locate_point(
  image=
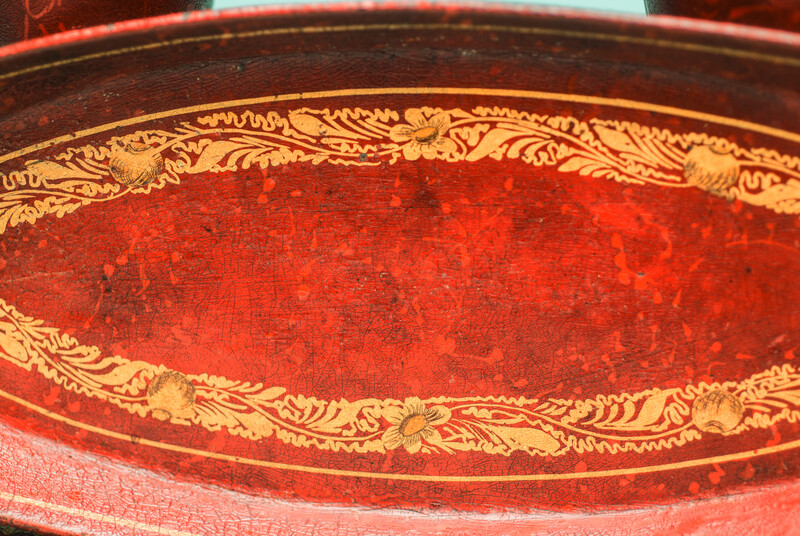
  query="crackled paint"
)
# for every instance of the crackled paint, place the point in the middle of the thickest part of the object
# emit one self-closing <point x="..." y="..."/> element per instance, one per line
<point x="29" y="19"/>
<point x="390" y="276"/>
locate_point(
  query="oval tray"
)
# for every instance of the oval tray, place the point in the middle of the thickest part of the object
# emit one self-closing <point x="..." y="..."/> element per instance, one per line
<point x="464" y="261"/>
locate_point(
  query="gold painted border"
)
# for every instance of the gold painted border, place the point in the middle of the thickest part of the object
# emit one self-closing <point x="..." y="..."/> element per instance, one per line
<point x="649" y="420"/>
<point x="379" y="91"/>
<point x="310" y="30"/>
<point x="747" y="454"/>
<point x="361" y="92"/>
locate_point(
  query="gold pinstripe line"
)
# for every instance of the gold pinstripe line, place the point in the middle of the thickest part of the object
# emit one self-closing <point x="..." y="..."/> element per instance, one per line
<point x="309" y="30"/>
<point x="747" y="454"/>
<point x="92" y="516"/>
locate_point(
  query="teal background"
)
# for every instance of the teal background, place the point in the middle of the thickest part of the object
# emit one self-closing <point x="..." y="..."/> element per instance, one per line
<point x="624" y="6"/>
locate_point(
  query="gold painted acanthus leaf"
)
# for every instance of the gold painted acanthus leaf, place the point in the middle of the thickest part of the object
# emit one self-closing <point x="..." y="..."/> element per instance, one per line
<point x="12" y="348"/>
<point x="530" y="440"/>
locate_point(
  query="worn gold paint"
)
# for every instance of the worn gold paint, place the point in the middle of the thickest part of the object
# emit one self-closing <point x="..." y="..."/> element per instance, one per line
<point x="717" y="411"/>
<point x="710" y="169"/>
<point x="171" y="396"/>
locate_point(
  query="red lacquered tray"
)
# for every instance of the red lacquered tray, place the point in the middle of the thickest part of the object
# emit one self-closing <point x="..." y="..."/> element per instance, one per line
<point x="367" y="271"/>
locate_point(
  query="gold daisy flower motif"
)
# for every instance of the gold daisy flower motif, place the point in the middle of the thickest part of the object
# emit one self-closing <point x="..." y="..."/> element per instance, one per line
<point x="423" y="137"/>
<point x="412" y="423"/>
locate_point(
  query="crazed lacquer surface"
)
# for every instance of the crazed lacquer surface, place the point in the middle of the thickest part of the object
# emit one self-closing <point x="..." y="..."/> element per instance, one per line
<point x="648" y="420"/>
<point x="478" y="296"/>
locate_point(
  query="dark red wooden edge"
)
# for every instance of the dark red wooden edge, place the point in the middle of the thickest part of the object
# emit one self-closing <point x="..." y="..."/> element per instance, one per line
<point x="669" y="23"/>
<point x="19" y="22"/>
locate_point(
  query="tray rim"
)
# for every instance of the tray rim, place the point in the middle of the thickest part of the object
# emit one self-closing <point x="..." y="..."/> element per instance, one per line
<point x="528" y="13"/>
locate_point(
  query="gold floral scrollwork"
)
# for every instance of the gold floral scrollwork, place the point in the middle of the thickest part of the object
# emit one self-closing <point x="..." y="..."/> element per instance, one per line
<point x="146" y="160"/>
<point x="649" y="420"/>
<point x="622" y="151"/>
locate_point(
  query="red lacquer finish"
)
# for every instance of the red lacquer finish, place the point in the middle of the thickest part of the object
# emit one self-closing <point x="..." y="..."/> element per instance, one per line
<point x="482" y="264"/>
<point x="28" y="19"/>
<point x="778" y="14"/>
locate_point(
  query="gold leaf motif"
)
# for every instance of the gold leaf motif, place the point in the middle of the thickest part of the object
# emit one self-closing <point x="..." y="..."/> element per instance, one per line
<point x="308" y="125"/>
<point x="268" y="394"/>
<point x="312" y="126"/>
<point x="781" y="198"/>
<point x="491" y="143"/>
<point x="584" y="166"/>
<point x="650" y="412"/>
<point x="619" y="141"/>
<point x="211" y="155"/>
<point x="13" y="348"/>
<point x="530" y="440"/>
<point x="123" y="373"/>
<point x="253" y="426"/>
<point x="51" y="171"/>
